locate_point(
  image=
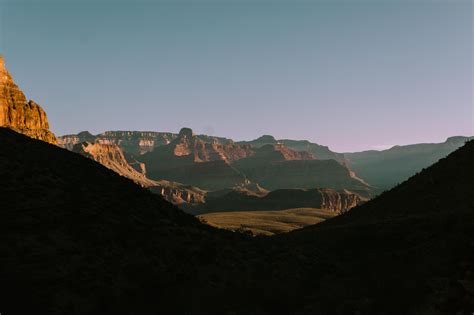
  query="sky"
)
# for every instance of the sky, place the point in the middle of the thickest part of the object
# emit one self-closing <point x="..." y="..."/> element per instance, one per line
<point x="352" y="75"/>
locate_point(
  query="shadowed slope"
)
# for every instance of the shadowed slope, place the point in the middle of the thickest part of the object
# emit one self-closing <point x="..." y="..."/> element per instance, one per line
<point x="76" y="238"/>
<point x="112" y="157"/>
<point x="411" y="248"/>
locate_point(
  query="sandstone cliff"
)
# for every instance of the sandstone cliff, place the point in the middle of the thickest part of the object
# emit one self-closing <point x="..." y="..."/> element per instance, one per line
<point x="19" y="114"/>
<point x="187" y="144"/>
<point x="112" y="157"/>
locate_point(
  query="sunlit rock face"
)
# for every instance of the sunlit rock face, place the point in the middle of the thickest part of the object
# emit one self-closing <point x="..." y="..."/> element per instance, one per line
<point x="20" y="114"/>
<point x="112" y="157"/>
<point x="190" y="160"/>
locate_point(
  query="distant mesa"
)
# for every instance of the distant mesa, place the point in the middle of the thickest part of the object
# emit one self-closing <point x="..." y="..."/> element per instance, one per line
<point x="20" y="114"/>
<point x="133" y="142"/>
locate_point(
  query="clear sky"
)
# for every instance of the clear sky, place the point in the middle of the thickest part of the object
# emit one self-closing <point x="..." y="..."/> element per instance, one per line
<point x="352" y="75"/>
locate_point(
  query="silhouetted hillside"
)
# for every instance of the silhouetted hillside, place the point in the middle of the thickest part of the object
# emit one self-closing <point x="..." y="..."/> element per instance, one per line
<point x="411" y="248"/>
<point x="76" y="238"/>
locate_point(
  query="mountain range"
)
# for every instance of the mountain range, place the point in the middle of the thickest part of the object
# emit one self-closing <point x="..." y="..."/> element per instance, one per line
<point x="381" y="170"/>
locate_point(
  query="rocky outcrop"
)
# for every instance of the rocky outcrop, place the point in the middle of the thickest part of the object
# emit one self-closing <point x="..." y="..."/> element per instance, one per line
<point x="187" y="144"/>
<point x="179" y="194"/>
<point x="112" y="157"/>
<point x="20" y="114"/>
<point x="337" y="201"/>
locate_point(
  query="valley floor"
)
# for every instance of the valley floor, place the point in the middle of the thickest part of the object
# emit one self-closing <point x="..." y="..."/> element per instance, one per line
<point x="267" y="222"/>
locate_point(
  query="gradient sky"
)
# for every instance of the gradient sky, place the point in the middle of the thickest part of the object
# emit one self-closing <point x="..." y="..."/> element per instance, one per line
<point x="352" y="75"/>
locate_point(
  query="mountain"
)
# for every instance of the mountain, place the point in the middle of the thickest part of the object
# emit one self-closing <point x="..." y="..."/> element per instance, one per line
<point x="318" y="151"/>
<point x="384" y="169"/>
<point x="192" y="161"/>
<point x="276" y="168"/>
<point x="325" y="199"/>
<point x="19" y="114"/>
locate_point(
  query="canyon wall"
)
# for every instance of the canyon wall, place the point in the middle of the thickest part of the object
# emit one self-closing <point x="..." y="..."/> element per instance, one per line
<point x="20" y="114"/>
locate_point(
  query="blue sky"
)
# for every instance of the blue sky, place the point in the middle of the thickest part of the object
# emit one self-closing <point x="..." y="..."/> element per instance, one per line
<point x="352" y="75"/>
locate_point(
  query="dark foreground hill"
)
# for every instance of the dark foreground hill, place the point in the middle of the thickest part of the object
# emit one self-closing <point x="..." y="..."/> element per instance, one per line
<point x="76" y="238"/>
<point x="413" y="245"/>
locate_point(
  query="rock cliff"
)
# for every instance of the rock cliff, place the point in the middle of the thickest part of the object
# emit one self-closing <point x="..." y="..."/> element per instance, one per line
<point x="179" y="194"/>
<point x="112" y="157"/>
<point x="20" y="114"/>
<point x="192" y="161"/>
